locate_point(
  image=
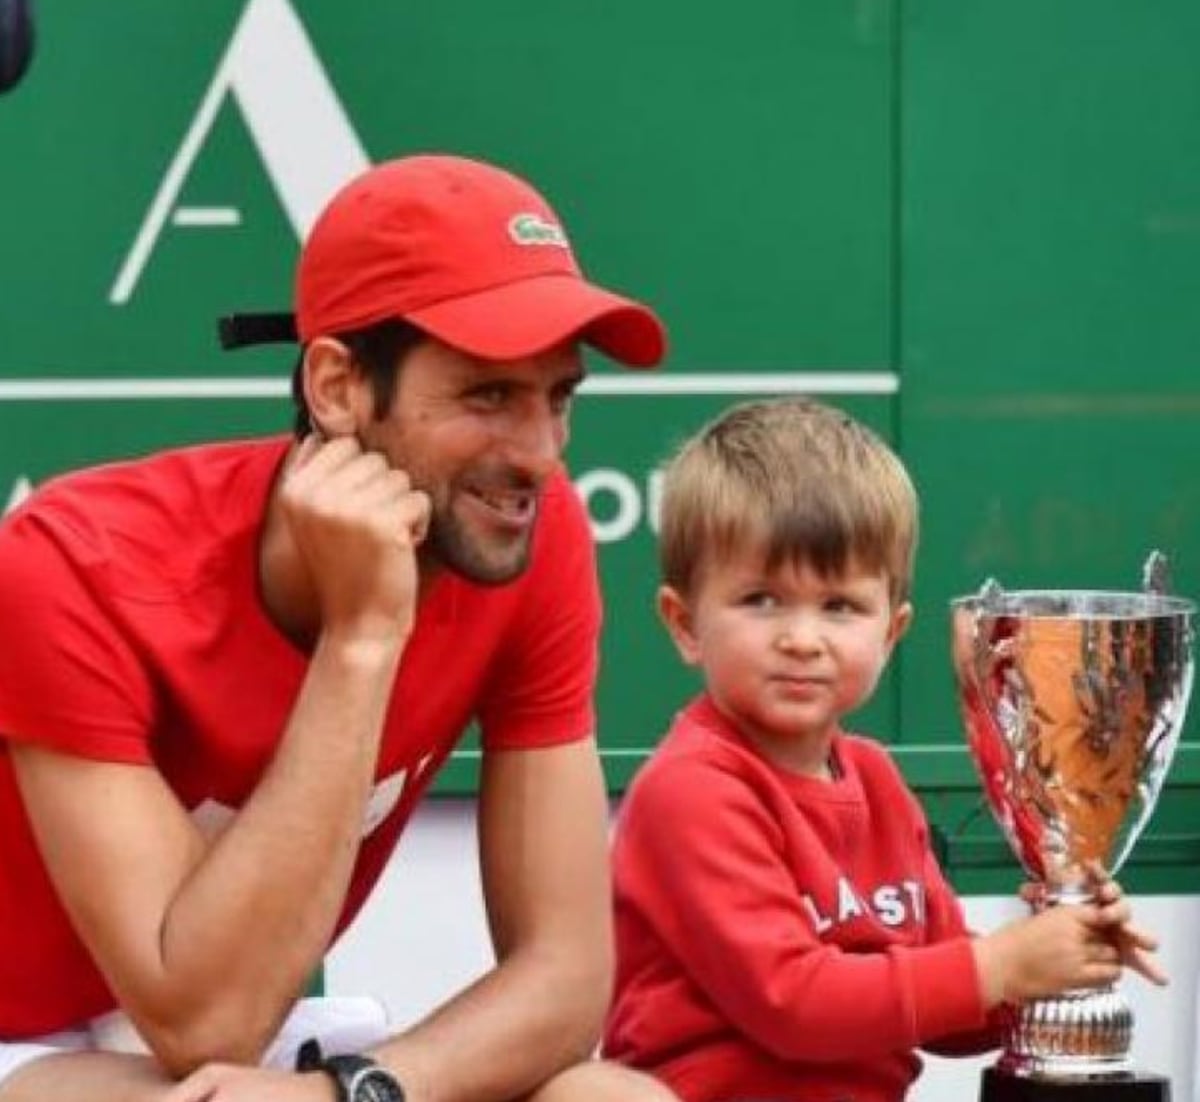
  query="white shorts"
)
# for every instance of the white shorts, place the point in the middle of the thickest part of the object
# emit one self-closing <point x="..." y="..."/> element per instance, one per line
<point x="341" y="1024"/>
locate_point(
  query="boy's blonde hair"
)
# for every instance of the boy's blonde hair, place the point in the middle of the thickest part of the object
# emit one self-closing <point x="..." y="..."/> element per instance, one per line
<point x="803" y="482"/>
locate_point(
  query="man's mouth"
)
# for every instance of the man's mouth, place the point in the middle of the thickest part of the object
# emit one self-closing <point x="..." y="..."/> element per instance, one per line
<point x="513" y="506"/>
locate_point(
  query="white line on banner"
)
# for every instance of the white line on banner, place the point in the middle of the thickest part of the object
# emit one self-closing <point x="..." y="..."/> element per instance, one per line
<point x="759" y="382"/>
<point x="677" y="385"/>
<point x="70" y="390"/>
<point x="207" y="216"/>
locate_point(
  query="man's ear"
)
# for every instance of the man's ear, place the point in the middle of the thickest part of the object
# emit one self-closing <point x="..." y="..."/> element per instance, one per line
<point x="677" y="619"/>
<point x="334" y="387"/>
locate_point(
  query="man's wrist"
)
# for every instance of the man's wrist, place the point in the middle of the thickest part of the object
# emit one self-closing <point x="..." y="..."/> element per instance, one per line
<point x="354" y="1077"/>
<point x="363" y="652"/>
<point x="319" y="1088"/>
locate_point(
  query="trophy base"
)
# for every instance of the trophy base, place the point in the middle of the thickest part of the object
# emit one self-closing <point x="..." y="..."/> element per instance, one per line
<point x="1001" y="1086"/>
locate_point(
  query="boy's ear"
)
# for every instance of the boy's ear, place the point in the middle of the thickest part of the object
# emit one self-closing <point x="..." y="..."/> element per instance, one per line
<point x="333" y="387"/>
<point x="677" y="619"/>
<point x="902" y="617"/>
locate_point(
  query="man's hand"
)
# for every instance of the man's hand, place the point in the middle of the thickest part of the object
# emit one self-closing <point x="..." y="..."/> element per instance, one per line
<point x="356" y="523"/>
<point x="235" y="1083"/>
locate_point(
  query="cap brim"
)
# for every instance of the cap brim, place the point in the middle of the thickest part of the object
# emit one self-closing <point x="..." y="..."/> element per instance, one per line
<point x="532" y="315"/>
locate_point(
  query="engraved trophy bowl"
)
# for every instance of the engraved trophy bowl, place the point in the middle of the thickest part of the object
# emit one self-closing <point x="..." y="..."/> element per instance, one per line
<point x="1073" y="703"/>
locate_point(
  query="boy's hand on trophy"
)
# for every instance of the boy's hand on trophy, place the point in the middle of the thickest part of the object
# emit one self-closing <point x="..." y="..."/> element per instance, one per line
<point x="1137" y="948"/>
<point x="1135" y="945"/>
<point x="1033" y="893"/>
<point x="1059" y="949"/>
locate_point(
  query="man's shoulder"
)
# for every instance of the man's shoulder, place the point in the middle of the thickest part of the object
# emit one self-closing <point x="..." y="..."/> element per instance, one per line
<point x="199" y="466"/>
<point x="144" y="505"/>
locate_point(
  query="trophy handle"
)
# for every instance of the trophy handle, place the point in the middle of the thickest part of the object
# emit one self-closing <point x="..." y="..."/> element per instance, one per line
<point x="1156" y="574"/>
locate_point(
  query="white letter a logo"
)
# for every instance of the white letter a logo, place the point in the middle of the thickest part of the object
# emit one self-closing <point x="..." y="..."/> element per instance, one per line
<point x="306" y="142"/>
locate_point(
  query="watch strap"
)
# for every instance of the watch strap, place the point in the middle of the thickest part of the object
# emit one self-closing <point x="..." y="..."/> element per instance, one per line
<point x="345" y="1070"/>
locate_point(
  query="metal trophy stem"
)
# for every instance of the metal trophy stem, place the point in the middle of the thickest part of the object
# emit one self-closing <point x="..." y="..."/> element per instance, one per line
<point x="1073" y="702"/>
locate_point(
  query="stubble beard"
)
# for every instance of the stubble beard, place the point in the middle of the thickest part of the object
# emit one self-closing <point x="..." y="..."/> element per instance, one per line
<point x="452" y="546"/>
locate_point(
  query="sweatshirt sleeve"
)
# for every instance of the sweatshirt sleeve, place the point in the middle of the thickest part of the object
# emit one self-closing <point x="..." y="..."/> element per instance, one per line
<point x="719" y="883"/>
<point x="946" y="921"/>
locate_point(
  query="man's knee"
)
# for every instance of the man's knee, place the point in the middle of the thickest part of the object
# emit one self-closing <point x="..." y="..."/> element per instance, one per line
<point x="601" y="1081"/>
<point x="96" y="1076"/>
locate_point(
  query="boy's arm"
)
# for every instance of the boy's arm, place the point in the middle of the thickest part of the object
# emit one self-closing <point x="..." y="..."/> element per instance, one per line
<point x="945" y="921"/>
<point x="543" y="831"/>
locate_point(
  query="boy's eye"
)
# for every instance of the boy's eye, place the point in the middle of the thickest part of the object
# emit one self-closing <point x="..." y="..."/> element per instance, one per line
<point x="842" y="605"/>
<point x="758" y="598"/>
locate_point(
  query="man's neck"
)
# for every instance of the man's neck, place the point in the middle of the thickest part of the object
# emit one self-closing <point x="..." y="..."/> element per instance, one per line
<point x="285" y="588"/>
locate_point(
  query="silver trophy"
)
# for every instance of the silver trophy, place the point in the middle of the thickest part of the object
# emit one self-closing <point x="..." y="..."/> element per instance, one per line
<point x="1073" y="702"/>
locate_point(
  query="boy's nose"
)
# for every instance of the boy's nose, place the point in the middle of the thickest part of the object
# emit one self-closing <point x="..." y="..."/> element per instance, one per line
<point x="799" y="635"/>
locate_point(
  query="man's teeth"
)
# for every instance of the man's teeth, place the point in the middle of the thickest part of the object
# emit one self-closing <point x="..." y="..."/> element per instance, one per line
<point x="517" y="504"/>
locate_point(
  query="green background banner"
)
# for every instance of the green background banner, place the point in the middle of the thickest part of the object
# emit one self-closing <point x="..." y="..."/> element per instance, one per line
<point x="976" y="227"/>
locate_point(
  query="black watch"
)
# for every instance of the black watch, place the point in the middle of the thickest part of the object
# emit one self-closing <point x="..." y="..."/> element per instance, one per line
<point x="357" y="1078"/>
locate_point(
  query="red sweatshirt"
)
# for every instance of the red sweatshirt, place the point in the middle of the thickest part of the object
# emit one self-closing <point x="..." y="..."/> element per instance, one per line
<point x="782" y="937"/>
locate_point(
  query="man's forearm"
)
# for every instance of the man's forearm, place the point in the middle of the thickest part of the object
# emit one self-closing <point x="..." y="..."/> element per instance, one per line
<point x="543" y="860"/>
<point x="508" y="1033"/>
<point x="253" y="918"/>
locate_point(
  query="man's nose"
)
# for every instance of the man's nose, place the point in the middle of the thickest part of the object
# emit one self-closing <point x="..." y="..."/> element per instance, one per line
<point x="537" y="441"/>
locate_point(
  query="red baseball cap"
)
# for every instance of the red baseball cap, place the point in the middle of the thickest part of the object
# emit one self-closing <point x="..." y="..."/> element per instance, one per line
<point x="467" y="252"/>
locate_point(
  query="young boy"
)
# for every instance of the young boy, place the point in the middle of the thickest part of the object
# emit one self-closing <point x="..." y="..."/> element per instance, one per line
<point x="783" y="929"/>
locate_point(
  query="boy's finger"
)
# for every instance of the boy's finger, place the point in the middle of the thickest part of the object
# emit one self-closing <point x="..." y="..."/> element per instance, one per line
<point x="1139" y="938"/>
<point x="1032" y="893"/>
<point x="1107" y="891"/>
<point x="1146" y="965"/>
<point x="1109" y="914"/>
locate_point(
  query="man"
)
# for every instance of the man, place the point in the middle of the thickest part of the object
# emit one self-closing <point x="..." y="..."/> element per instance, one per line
<point x="228" y="673"/>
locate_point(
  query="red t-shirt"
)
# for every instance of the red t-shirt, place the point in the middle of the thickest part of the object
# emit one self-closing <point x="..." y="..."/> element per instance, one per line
<point x="133" y="632"/>
<point x="778" y="936"/>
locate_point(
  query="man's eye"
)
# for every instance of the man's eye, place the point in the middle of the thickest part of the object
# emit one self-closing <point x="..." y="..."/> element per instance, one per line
<point x="488" y="395"/>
